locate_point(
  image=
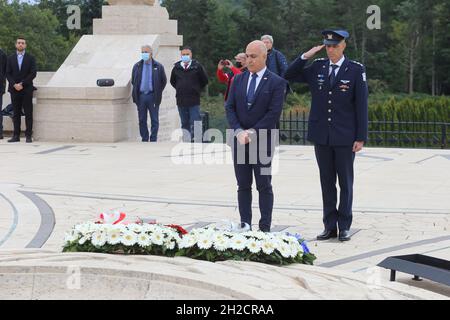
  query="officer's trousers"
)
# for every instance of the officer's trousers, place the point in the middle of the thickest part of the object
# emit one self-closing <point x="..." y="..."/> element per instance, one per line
<point x="336" y="162"/>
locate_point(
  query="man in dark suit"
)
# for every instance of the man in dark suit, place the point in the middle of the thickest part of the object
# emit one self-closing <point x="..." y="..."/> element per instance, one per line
<point x="149" y="80"/>
<point x="20" y="72"/>
<point x="3" y="59"/>
<point x="338" y="124"/>
<point x="253" y="107"/>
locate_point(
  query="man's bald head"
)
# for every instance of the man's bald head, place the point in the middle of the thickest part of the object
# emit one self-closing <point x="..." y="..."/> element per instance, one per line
<point x="256" y="56"/>
<point x="258" y="45"/>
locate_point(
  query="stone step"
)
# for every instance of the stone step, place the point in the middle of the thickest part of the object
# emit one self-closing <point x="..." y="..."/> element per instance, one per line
<point x="135" y="26"/>
<point x="132" y="12"/>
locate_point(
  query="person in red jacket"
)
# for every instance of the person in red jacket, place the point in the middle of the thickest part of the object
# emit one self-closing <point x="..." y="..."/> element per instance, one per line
<point x="227" y="77"/>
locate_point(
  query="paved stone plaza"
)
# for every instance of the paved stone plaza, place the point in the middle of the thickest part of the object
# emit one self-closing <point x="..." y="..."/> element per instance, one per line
<point x="401" y="206"/>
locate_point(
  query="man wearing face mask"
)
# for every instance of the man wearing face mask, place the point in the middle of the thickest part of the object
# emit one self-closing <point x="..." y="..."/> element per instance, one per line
<point x="188" y="78"/>
<point x="149" y="80"/>
<point x="227" y="77"/>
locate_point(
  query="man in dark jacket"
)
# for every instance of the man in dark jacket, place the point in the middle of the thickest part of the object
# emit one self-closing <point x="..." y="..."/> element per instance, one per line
<point x="189" y="78"/>
<point x="3" y="59"/>
<point x="20" y="72"/>
<point x="276" y="61"/>
<point x="149" y="80"/>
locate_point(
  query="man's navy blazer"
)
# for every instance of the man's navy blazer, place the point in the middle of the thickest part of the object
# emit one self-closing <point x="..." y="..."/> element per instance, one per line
<point x="266" y="109"/>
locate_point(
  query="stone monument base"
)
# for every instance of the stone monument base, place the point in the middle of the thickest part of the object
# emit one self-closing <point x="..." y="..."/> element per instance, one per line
<point x="70" y="107"/>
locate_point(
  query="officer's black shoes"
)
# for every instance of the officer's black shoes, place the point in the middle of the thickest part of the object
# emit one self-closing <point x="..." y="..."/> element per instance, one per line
<point x="327" y="234"/>
<point x="264" y="229"/>
<point x="344" y="235"/>
<point x="29" y="140"/>
<point x="14" y="139"/>
<point x="1" y="137"/>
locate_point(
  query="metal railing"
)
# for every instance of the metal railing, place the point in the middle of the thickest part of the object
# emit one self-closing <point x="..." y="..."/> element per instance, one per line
<point x="382" y="133"/>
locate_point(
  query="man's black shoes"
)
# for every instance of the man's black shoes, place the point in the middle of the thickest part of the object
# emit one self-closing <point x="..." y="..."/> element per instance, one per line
<point x="327" y="234"/>
<point x="344" y="235"/>
<point x="29" y="140"/>
<point x="14" y="139"/>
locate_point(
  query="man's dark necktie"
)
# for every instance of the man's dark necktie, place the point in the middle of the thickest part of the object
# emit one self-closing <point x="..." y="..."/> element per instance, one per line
<point x="333" y="75"/>
<point x="251" y="91"/>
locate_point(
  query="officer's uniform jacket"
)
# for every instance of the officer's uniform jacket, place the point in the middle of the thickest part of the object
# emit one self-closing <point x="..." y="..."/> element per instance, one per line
<point x="339" y="114"/>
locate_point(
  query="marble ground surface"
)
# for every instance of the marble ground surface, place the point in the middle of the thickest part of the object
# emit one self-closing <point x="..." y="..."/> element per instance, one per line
<point x="401" y="206"/>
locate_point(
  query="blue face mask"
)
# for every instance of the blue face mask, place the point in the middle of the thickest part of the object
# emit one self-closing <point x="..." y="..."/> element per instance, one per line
<point x="145" y="56"/>
<point x="185" y="59"/>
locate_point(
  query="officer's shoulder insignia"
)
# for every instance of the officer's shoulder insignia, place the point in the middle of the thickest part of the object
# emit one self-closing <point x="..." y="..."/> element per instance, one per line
<point x="356" y="62"/>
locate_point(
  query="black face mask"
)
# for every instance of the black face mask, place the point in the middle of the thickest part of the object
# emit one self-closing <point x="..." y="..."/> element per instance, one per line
<point x="238" y="65"/>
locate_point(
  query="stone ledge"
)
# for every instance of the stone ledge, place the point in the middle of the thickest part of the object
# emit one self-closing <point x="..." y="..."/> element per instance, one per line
<point x="43" y="274"/>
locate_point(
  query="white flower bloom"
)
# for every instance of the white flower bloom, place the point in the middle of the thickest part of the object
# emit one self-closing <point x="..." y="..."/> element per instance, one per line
<point x="238" y="242"/>
<point x="284" y="250"/>
<point x="259" y="235"/>
<point x="113" y="237"/>
<point x="146" y="227"/>
<point x="267" y="247"/>
<point x="135" y="227"/>
<point x="170" y="244"/>
<point x="144" y="240"/>
<point x="98" y="238"/>
<point x="204" y="242"/>
<point x="218" y="236"/>
<point x="129" y="238"/>
<point x="184" y="242"/>
<point x="188" y="241"/>
<point x="221" y="244"/>
<point x="157" y="238"/>
<point x="295" y="248"/>
<point x="254" y="245"/>
<point x="276" y="242"/>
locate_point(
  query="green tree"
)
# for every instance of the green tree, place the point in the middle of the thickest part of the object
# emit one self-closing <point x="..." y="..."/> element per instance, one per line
<point x="40" y="30"/>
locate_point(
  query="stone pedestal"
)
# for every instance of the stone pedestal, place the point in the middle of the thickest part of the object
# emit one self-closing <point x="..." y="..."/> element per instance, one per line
<point x="70" y="107"/>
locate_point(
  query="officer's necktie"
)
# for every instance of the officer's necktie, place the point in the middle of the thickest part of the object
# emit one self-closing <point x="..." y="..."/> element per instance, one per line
<point x="333" y="75"/>
<point x="251" y="91"/>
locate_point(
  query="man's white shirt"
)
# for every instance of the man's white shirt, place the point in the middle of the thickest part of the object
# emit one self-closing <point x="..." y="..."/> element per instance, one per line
<point x="258" y="80"/>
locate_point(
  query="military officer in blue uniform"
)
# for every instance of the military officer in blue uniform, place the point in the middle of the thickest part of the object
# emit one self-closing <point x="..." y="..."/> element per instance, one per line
<point x="337" y="125"/>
